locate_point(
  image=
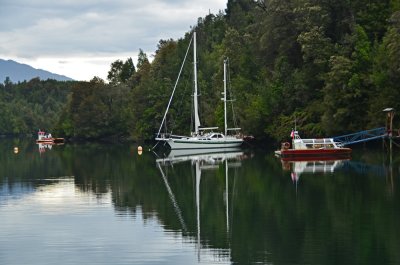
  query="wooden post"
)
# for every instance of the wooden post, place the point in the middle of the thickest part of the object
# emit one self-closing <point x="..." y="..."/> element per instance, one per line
<point x="389" y="121"/>
<point x="389" y="126"/>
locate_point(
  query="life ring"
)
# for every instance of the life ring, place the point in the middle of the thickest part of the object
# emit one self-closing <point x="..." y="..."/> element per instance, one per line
<point x="285" y="145"/>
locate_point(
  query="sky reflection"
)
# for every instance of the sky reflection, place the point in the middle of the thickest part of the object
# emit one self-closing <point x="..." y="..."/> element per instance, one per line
<point x="58" y="223"/>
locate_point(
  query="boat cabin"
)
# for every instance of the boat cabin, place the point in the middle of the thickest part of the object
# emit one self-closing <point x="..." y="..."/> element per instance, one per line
<point x="323" y="143"/>
<point x="216" y="136"/>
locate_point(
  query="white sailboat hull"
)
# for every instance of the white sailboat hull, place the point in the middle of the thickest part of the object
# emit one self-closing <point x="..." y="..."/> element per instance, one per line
<point x="198" y="143"/>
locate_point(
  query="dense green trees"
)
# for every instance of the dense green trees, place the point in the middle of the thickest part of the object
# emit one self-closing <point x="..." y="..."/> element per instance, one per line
<point x="322" y="63"/>
<point x="95" y="110"/>
<point x="121" y="71"/>
<point x="29" y="106"/>
<point x="330" y="65"/>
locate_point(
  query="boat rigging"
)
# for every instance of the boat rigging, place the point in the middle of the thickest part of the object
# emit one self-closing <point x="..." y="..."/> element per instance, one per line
<point x="200" y="138"/>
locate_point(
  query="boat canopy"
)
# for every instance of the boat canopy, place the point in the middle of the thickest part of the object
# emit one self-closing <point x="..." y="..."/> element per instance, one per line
<point x="207" y="128"/>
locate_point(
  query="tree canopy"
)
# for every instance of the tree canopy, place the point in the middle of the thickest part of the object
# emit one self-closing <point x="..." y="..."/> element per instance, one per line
<point x="331" y="66"/>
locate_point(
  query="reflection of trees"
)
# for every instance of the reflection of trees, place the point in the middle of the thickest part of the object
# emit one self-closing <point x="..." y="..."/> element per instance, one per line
<point x="28" y="164"/>
<point x="343" y="218"/>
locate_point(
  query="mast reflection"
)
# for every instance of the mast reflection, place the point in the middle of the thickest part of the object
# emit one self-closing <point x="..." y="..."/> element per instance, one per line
<point x="202" y="160"/>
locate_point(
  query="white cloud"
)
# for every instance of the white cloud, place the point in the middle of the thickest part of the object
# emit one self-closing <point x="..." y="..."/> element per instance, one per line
<point x="78" y="68"/>
<point x="89" y="35"/>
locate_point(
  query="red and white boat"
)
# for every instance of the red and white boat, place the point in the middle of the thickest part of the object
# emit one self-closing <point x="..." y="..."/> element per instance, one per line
<point x="48" y="139"/>
<point x="312" y="148"/>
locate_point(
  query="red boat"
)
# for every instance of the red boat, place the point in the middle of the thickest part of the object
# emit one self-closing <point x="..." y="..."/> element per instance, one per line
<point x="48" y="139"/>
<point x="312" y="148"/>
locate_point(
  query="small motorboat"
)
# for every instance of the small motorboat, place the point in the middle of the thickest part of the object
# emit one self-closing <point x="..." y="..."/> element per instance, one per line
<point x="325" y="147"/>
<point x="48" y="138"/>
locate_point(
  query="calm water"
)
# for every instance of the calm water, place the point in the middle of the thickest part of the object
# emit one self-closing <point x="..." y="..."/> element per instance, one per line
<point x="105" y="204"/>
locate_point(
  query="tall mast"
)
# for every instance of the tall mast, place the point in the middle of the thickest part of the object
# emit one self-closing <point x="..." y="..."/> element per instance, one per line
<point x="195" y="99"/>
<point x="224" y="99"/>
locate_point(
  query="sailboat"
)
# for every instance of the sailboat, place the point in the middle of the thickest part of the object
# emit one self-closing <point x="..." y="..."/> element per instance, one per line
<point x="201" y="138"/>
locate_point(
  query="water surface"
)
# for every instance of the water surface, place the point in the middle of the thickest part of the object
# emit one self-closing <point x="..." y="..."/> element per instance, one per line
<point x="105" y="204"/>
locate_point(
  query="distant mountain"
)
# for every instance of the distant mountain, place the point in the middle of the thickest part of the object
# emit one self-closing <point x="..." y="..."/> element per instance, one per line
<point x="18" y="72"/>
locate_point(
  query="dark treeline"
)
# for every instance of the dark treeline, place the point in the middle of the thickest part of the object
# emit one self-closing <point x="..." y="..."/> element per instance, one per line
<point x="330" y="65"/>
<point x="29" y="106"/>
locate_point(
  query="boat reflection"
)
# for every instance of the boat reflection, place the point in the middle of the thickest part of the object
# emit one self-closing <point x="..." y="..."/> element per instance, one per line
<point x="206" y="159"/>
<point x="210" y="158"/>
<point x="298" y="167"/>
<point x="43" y="147"/>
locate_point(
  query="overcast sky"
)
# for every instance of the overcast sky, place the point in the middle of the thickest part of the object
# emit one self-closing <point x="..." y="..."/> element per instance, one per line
<point x="81" y="38"/>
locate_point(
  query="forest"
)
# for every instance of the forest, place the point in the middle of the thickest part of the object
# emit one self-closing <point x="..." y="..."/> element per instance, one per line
<point x="330" y="67"/>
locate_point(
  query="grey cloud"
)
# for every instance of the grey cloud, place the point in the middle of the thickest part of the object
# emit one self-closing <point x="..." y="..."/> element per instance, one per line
<point x="71" y="28"/>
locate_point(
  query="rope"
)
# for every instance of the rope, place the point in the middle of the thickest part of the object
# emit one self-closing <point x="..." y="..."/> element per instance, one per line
<point x="396" y="144"/>
<point x="176" y="84"/>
